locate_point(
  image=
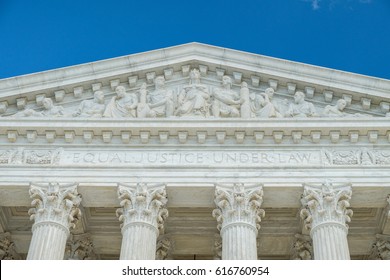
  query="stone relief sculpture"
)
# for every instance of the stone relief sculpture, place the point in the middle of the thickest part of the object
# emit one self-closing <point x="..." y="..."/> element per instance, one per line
<point x="301" y="108"/>
<point x="246" y="106"/>
<point x="336" y="110"/>
<point x="262" y="106"/>
<point x="91" y="108"/>
<point x="49" y="110"/>
<point x="22" y="156"/>
<point x="161" y="100"/>
<point x="226" y="101"/>
<point x="194" y="98"/>
<point x="123" y="105"/>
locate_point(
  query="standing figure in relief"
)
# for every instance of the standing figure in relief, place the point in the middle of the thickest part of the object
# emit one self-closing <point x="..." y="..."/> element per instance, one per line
<point x="226" y="102"/>
<point x="91" y="108"/>
<point x="121" y="106"/>
<point x="245" y="110"/>
<point x="194" y="98"/>
<point x="301" y="108"/>
<point x="161" y="100"/>
<point x="143" y="109"/>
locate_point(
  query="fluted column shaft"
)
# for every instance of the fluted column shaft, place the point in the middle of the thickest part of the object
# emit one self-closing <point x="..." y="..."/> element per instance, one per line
<point x="330" y="242"/>
<point x="326" y="215"/>
<point x="54" y="211"/>
<point x="143" y="213"/>
<point x="238" y="214"/>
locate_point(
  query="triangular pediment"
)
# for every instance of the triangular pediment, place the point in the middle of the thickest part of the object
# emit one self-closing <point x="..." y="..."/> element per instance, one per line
<point x="69" y="87"/>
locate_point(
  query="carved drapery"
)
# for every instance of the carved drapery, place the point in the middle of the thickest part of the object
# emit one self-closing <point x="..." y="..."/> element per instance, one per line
<point x="142" y="214"/>
<point x="326" y="214"/>
<point x="238" y="215"/>
<point x="54" y="210"/>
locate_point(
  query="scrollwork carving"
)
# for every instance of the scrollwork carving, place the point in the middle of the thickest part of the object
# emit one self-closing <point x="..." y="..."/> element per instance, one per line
<point x="55" y="203"/>
<point x="143" y="203"/>
<point x="7" y="248"/>
<point x="80" y="247"/>
<point x="238" y="203"/>
<point x="326" y="204"/>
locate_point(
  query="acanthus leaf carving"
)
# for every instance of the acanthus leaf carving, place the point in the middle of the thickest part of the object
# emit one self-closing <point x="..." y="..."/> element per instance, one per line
<point x="302" y="248"/>
<point x="80" y="247"/>
<point x="142" y="203"/>
<point x="55" y="203"/>
<point x="326" y="204"/>
<point x="238" y="204"/>
<point x="7" y="248"/>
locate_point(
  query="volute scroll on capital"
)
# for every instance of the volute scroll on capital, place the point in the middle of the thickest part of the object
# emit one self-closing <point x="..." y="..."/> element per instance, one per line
<point x="326" y="204"/>
<point x="238" y="203"/>
<point x="54" y="202"/>
<point x="143" y="203"/>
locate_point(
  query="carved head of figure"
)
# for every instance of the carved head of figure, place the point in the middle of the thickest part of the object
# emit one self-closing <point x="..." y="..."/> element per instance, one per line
<point x="270" y="92"/>
<point x="226" y="81"/>
<point x="99" y="96"/>
<point x="195" y="76"/>
<point x="120" y="91"/>
<point x="159" y="81"/>
<point x="299" y="97"/>
<point x="47" y="103"/>
<point x="341" y="104"/>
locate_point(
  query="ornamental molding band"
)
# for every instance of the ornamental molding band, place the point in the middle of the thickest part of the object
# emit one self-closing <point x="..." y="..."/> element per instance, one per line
<point x="202" y="125"/>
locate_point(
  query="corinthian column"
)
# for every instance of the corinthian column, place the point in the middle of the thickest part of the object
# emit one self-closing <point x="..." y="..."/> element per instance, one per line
<point x="238" y="215"/>
<point x="55" y="210"/>
<point x="326" y="215"/>
<point x="142" y="214"/>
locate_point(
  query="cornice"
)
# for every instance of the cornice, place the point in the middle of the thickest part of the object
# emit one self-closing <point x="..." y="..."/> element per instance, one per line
<point x="295" y="131"/>
<point x="250" y="64"/>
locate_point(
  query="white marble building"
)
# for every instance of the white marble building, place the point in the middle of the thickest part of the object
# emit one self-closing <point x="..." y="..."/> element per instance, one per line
<point x="194" y="152"/>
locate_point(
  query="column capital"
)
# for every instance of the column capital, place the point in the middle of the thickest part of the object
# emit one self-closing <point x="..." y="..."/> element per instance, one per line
<point x="55" y="203"/>
<point x="7" y="248"/>
<point x="381" y="248"/>
<point x="164" y="247"/>
<point x="326" y="204"/>
<point x="237" y="203"/>
<point x="80" y="247"/>
<point x="302" y="248"/>
<point x="142" y="203"/>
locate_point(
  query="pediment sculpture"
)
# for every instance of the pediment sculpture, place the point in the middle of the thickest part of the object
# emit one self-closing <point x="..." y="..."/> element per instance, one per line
<point x="194" y="99"/>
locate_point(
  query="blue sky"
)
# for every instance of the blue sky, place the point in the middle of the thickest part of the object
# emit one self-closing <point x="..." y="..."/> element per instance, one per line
<point x="349" y="35"/>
